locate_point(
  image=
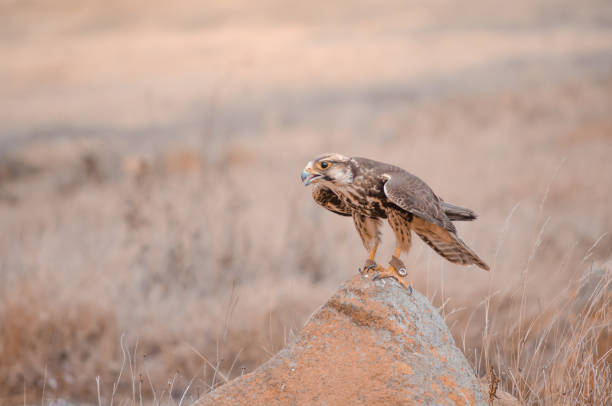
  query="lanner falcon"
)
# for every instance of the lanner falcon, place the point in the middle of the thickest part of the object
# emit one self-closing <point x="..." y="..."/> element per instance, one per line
<point x="370" y="191"/>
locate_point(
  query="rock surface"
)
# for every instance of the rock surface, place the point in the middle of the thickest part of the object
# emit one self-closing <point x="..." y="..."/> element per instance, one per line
<point x="370" y="344"/>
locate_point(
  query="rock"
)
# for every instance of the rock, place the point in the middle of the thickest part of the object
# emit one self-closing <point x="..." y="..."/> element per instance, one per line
<point x="370" y="344"/>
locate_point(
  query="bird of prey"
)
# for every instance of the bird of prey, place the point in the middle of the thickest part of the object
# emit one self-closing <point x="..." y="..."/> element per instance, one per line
<point x="369" y="191"/>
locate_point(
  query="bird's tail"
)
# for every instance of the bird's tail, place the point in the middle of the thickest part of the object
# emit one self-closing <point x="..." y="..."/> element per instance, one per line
<point x="452" y="248"/>
<point x="456" y="213"/>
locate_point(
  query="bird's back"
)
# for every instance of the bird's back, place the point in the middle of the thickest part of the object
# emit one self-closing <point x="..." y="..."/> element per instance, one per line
<point x="378" y="169"/>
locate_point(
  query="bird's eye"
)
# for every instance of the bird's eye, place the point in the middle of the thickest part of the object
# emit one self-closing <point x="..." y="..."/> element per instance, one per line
<point x="324" y="165"/>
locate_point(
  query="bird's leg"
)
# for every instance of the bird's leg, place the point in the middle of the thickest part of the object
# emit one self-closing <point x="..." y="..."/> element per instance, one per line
<point x="369" y="263"/>
<point x="397" y="270"/>
<point x="397" y="263"/>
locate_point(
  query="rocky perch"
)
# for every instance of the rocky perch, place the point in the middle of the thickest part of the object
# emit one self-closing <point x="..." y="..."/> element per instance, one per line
<point x="370" y="344"/>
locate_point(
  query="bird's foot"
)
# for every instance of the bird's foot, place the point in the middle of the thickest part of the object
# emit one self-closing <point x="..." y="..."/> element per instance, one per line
<point x="392" y="272"/>
<point x="368" y="267"/>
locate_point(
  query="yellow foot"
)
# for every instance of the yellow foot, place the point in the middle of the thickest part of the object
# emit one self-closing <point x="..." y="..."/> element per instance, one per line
<point x="391" y="272"/>
<point x="368" y="267"/>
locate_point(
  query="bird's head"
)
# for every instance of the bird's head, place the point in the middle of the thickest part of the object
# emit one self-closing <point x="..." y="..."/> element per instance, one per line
<point x="328" y="168"/>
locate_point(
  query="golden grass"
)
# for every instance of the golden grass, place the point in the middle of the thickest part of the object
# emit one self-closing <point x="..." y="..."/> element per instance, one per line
<point x="154" y="227"/>
<point x="48" y="343"/>
<point x="561" y="356"/>
<point x="192" y="312"/>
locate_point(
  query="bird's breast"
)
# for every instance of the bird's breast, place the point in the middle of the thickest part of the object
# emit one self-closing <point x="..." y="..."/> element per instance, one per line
<point x="364" y="201"/>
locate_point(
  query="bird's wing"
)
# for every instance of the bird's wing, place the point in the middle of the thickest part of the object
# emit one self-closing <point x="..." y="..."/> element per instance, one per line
<point x="447" y="244"/>
<point x="328" y="199"/>
<point x="457" y="213"/>
<point x="413" y="195"/>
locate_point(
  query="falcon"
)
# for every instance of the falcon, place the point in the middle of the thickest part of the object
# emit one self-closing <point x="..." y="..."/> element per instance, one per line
<point x="369" y="191"/>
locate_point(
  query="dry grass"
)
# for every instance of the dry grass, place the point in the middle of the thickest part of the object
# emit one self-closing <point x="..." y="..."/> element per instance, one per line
<point x="154" y="228"/>
<point x="561" y="356"/>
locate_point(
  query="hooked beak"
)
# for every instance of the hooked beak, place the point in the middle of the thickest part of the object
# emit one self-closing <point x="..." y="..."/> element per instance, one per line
<point x="308" y="175"/>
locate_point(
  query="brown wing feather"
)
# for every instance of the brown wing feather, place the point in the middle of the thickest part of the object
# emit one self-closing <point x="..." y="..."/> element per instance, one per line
<point x="457" y="213"/>
<point x="413" y="195"/>
<point x="447" y="244"/>
<point x="328" y="199"/>
<point x="430" y="220"/>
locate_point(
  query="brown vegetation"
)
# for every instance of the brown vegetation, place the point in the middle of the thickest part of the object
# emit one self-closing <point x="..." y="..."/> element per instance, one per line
<point x="149" y="185"/>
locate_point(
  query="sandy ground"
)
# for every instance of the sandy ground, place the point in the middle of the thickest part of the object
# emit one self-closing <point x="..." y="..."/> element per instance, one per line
<point x="150" y="156"/>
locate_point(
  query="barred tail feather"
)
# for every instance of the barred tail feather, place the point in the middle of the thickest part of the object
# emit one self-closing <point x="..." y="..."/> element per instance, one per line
<point x="453" y="249"/>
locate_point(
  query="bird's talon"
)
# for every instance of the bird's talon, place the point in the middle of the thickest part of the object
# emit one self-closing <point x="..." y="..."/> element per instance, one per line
<point x="392" y="272"/>
<point x="367" y="267"/>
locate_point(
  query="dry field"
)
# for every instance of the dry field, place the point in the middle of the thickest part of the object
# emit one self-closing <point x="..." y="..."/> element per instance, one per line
<point x="154" y="230"/>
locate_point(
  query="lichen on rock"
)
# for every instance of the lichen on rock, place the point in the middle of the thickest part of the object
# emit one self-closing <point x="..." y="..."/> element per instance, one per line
<point x="371" y="344"/>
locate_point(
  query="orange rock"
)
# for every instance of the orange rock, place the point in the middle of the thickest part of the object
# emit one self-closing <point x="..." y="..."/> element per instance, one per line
<point x="370" y="344"/>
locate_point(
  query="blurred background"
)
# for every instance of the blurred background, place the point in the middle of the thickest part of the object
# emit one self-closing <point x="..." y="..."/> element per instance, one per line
<point x="153" y="223"/>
